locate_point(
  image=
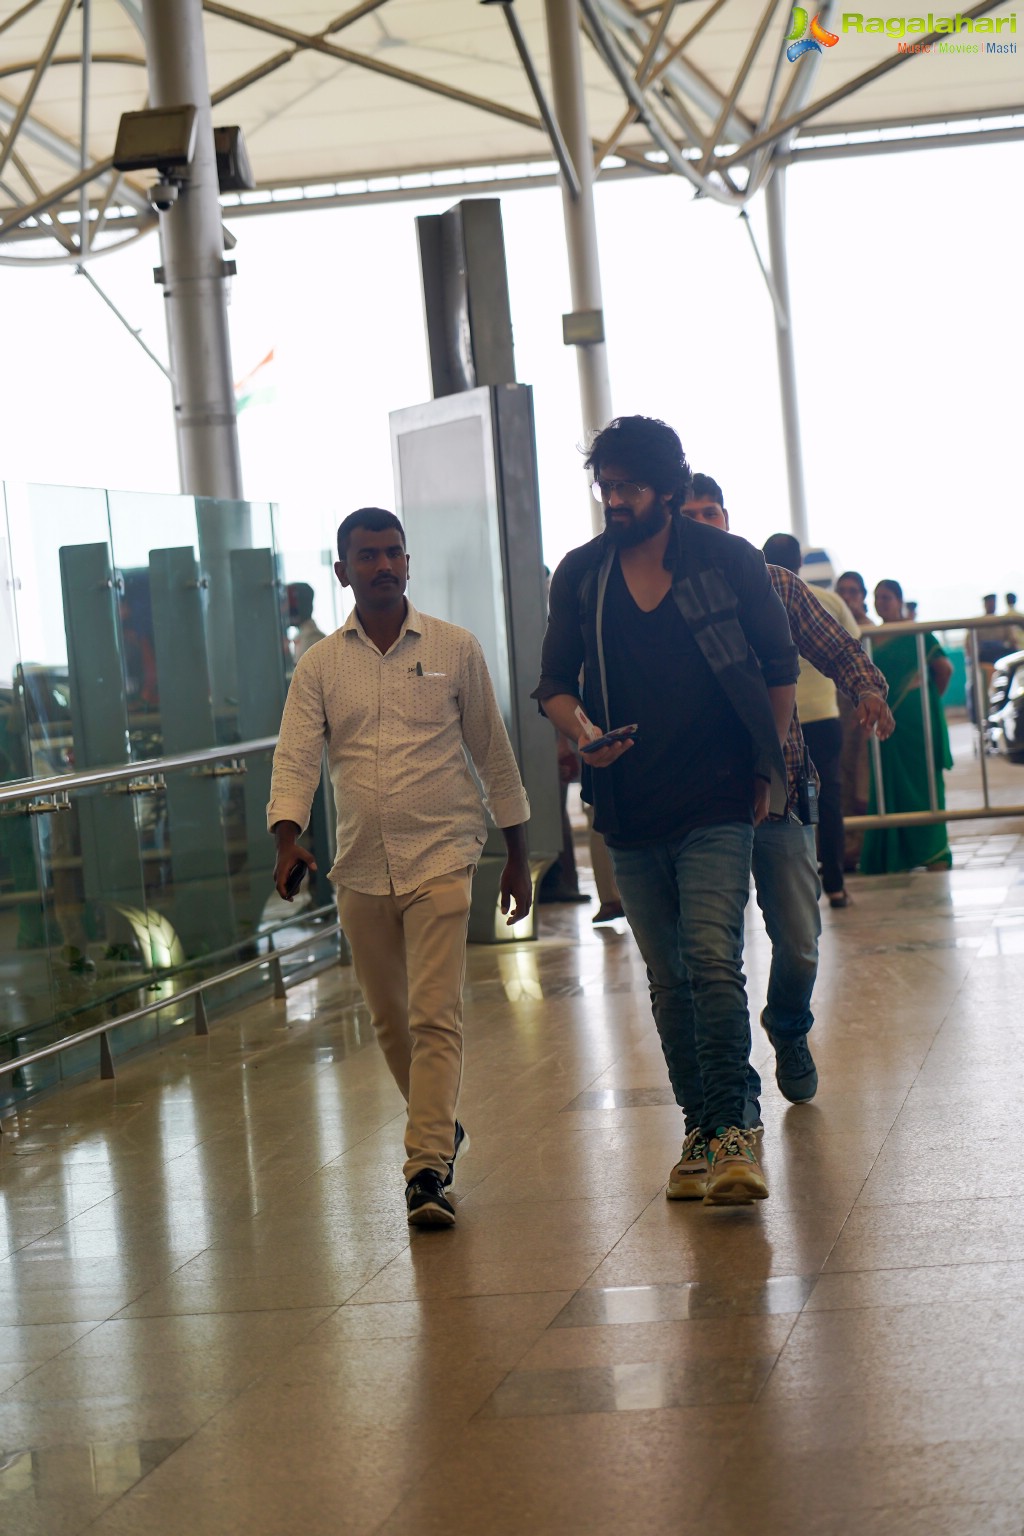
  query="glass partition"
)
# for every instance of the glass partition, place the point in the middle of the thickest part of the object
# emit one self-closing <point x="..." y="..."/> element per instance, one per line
<point x="133" y="627"/>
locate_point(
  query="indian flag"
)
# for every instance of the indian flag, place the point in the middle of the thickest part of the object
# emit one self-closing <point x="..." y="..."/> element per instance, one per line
<point x="258" y="387"/>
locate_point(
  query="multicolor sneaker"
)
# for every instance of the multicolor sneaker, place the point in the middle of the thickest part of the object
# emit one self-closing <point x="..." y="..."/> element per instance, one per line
<point x="426" y="1203"/>
<point x="462" y="1145"/>
<point x="795" y="1072"/>
<point x="734" y="1173"/>
<point x="688" y="1178"/>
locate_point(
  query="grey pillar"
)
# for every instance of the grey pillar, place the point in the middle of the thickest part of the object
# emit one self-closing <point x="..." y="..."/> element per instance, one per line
<point x="580" y="224"/>
<point x="775" y="194"/>
<point x="194" y="273"/>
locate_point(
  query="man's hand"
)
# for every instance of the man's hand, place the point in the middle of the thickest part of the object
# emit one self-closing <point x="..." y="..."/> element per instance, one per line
<point x="289" y="853"/>
<point x="762" y="800"/>
<point x="875" y="716"/>
<point x="516" y="888"/>
<point x="605" y="756"/>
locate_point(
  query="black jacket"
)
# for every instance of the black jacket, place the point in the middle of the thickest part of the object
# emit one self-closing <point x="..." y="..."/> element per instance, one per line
<point x="722" y="589"/>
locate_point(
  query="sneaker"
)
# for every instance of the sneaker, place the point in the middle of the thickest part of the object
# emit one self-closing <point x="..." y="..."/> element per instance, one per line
<point x="734" y="1173"/>
<point x="688" y="1178"/>
<point x="462" y="1145"/>
<point x="795" y="1072"/>
<point x="426" y="1203"/>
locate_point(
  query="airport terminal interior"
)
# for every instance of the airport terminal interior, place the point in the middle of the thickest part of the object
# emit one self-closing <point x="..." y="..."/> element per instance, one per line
<point x="215" y="1317"/>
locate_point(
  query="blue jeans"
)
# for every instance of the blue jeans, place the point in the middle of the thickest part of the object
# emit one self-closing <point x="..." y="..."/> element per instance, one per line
<point x="684" y="901"/>
<point x="786" y="879"/>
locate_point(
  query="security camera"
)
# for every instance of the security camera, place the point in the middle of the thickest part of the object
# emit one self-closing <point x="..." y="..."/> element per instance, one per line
<point x="162" y="194"/>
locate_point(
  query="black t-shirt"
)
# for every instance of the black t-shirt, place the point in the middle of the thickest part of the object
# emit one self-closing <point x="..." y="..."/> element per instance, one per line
<point x="692" y="762"/>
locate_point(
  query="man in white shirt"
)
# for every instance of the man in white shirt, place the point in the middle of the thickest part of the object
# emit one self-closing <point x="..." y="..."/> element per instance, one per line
<point x="402" y="701"/>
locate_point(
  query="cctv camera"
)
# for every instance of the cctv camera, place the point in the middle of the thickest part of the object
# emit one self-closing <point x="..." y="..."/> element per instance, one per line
<point x="162" y="194"/>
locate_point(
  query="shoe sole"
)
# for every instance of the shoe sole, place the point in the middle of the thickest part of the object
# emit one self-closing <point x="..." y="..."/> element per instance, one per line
<point x="431" y="1216"/>
<point x="736" y="1186"/>
<point x="693" y="1189"/>
<point x="797" y="1096"/>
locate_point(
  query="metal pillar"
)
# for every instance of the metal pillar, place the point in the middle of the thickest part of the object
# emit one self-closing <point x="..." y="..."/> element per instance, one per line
<point x="194" y="272"/>
<point x="775" y="195"/>
<point x="578" y="212"/>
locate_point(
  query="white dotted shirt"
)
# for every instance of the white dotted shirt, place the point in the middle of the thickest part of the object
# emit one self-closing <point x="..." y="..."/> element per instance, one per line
<point x="398" y="729"/>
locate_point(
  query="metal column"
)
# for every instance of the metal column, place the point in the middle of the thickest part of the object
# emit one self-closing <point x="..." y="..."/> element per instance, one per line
<point x="580" y="224"/>
<point x="194" y="273"/>
<point x="775" y="195"/>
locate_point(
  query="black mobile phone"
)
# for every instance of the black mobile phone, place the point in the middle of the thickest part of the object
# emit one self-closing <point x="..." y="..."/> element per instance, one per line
<point x="295" y="878"/>
<point x="620" y="733"/>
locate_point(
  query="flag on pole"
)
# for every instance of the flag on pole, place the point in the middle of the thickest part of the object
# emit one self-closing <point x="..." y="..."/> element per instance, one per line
<point x="258" y="387"/>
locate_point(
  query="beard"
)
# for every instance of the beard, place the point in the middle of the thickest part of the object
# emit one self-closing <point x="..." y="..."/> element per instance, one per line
<point x="639" y="526"/>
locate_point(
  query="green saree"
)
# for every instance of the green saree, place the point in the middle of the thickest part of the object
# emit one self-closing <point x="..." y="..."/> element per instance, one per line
<point x="904" y="768"/>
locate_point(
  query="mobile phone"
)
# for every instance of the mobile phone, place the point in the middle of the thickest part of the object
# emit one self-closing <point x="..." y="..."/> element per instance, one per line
<point x="295" y="878"/>
<point x="620" y="733"/>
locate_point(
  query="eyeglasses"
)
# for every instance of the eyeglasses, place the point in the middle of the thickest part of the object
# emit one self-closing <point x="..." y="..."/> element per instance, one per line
<point x="629" y="490"/>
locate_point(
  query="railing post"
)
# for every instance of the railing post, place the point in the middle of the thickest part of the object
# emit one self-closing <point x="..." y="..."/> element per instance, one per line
<point x="875" y="746"/>
<point x="277" y="977"/>
<point x="202" y="1023"/>
<point x="980" y="710"/>
<point x="926" y="723"/>
<point x="106" y="1059"/>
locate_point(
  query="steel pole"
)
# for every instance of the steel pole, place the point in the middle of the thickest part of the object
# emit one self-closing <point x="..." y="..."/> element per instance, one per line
<point x="194" y="273"/>
<point x="578" y="213"/>
<point x="775" y="195"/>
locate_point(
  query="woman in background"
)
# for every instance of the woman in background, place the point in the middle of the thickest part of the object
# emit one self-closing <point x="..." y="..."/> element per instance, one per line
<point x="904" y="763"/>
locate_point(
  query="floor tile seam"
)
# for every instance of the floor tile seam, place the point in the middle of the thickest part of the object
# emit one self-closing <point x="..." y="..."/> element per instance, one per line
<point x="874" y="1163"/>
<point x="127" y="1492"/>
<point x="227" y="1311"/>
<point x="60" y="1352"/>
<point x="821" y="1270"/>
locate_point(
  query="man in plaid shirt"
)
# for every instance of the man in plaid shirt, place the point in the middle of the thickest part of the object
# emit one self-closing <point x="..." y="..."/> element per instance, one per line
<point x="785" y="863"/>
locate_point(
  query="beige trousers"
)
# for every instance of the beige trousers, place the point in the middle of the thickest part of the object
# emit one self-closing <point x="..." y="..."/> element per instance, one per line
<point x="409" y="955"/>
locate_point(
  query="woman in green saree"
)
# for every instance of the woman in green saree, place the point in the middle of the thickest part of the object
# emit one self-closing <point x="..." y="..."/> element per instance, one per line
<point x="904" y="766"/>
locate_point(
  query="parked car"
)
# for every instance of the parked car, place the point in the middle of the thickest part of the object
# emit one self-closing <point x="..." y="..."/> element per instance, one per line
<point x="1005" y="720"/>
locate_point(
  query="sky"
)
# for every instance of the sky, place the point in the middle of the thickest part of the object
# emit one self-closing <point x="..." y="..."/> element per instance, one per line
<point x="908" y="332"/>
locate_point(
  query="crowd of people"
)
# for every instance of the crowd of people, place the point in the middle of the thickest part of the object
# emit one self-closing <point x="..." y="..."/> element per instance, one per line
<point x="694" y="680"/>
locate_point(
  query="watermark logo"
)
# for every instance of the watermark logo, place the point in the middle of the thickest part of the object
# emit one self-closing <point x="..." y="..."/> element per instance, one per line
<point x="800" y="43"/>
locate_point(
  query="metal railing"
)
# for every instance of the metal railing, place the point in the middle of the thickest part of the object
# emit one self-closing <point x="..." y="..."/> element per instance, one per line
<point x="935" y="813"/>
<point x="150" y="768"/>
<point x="50" y="794"/>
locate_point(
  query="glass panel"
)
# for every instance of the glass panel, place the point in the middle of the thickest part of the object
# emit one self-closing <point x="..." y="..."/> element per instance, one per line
<point x="134" y="626"/>
<point x="75" y="709"/>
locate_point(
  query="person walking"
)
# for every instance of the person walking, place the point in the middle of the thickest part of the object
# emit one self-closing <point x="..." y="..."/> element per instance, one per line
<point x="678" y="632"/>
<point x="818" y="708"/>
<point x="785" y="863"/>
<point x="400" y="700"/>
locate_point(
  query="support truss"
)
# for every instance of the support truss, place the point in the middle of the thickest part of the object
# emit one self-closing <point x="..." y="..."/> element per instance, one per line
<point x="675" y="119"/>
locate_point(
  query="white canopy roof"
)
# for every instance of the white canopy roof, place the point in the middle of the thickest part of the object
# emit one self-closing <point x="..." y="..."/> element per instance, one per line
<point x="392" y="88"/>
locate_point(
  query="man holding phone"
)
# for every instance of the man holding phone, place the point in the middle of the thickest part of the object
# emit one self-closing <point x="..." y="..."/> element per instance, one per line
<point x="400" y="699"/>
<point x="678" y="632"/>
